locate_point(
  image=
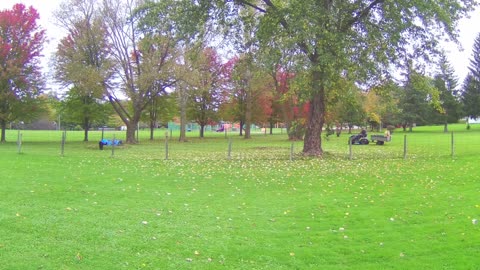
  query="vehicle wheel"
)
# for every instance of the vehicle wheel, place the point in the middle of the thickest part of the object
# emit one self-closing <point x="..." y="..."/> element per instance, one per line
<point x="364" y="141"/>
<point x="380" y="142"/>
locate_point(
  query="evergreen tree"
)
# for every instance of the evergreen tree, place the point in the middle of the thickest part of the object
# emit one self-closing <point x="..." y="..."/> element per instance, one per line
<point x="471" y="97"/>
<point x="475" y="60"/>
<point x="418" y="97"/>
<point x="471" y="86"/>
<point x="446" y="83"/>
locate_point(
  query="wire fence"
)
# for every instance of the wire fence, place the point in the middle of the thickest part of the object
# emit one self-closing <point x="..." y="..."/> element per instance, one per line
<point x="420" y="145"/>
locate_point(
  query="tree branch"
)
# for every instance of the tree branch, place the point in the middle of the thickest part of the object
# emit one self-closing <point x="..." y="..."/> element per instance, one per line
<point x="362" y="14"/>
<point x="252" y="5"/>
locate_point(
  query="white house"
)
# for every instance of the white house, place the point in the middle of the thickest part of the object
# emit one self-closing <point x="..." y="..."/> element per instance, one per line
<point x="473" y="120"/>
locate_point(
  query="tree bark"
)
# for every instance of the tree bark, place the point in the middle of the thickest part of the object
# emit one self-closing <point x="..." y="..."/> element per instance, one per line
<point x="3" y="125"/>
<point x="312" y="144"/>
<point x="152" y="128"/>
<point x="202" y="130"/>
<point x="86" y="123"/>
<point x="248" y="118"/>
<point x="183" y="99"/>
<point x="131" y="128"/>
<point x="241" y="127"/>
<point x="445" y="124"/>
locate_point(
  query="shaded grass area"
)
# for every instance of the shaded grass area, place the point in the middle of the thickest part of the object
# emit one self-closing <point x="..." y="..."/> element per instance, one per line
<point x="258" y="210"/>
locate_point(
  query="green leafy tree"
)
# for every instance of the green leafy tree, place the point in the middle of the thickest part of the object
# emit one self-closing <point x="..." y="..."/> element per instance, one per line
<point x="143" y="59"/>
<point x="82" y="63"/>
<point x="160" y="111"/>
<point x="85" y="110"/>
<point x="21" y="41"/>
<point x="353" y="40"/>
<point x="386" y="98"/>
<point x="418" y="96"/>
<point x="206" y="80"/>
<point x="356" y="40"/>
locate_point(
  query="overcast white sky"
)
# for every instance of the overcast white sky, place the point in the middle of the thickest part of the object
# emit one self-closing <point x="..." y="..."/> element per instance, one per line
<point x="459" y="58"/>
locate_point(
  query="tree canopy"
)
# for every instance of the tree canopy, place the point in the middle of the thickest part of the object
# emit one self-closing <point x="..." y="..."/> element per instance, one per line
<point x="21" y="43"/>
<point x="334" y="40"/>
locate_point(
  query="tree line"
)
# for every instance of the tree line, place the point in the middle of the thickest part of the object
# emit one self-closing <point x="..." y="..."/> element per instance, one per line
<point x="311" y="65"/>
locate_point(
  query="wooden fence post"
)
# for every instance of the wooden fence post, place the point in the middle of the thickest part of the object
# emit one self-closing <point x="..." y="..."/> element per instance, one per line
<point x="166" y="145"/>
<point x="19" y="142"/>
<point x="453" y="145"/>
<point x="64" y="137"/>
<point x="350" y="148"/>
<point x="230" y="149"/>
<point x="113" y="145"/>
<point x="291" y="152"/>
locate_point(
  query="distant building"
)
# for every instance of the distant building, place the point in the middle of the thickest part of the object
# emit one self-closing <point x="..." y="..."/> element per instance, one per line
<point x="473" y="120"/>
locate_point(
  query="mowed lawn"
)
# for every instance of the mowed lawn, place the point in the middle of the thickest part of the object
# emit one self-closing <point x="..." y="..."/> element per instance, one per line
<point x="256" y="207"/>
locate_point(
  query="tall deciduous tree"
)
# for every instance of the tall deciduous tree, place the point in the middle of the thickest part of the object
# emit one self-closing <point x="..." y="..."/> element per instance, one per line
<point x="79" y="108"/>
<point x="206" y="81"/>
<point x="160" y="111"/>
<point x="142" y="58"/>
<point x="351" y="39"/>
<point x="21" y="41"/>
<point x="82" y="61"/>
<point x="251" y="93"/>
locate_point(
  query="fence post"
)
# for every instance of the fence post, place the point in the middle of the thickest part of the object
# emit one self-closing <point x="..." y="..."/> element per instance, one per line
<point x="63" y="143"/>
<point x="19" y="142"/>
<point x="113" y="145"/>
<point x="404" y="146"/>
<point x="453" y="145"/>
<point x="230" y="149"/>
<point x="166" y="145"/>
<point x="291" y="152"/>
<point x="350" y="149"/>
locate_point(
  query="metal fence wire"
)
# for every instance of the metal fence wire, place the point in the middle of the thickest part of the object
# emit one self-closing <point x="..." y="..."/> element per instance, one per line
<point x="416" y="145"/>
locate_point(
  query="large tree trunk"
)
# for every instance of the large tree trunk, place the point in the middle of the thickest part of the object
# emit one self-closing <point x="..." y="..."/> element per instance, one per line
<point x="248" y="114"/>
<point x="152" y="128"/>
<point x="131" y="128"/>
<point x="183" y="124"/>
<point x="3" y="125"/>
<point x="202" y="130"/>
<point x="445" y="124"/>
<point x="86" y="124"/>
<point x="183" y="100"/>
<point x="312" y="143"/>
<point x="153" y="121"/>
<point x="241" y="127"/>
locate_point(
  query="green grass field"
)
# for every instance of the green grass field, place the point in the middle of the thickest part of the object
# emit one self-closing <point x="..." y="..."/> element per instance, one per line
<point x="258" y="209"/>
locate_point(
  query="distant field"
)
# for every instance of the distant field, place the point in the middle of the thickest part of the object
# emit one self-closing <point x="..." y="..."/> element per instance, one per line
<point x="257" y="208"/>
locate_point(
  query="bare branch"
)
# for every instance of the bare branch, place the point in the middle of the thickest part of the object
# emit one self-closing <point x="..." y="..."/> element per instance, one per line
<point x="362" y="14"/>
<point x="243" y="2"/>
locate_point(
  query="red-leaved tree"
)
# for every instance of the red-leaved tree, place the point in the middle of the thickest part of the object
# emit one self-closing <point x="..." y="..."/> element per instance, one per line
<point x="21" y="41"/>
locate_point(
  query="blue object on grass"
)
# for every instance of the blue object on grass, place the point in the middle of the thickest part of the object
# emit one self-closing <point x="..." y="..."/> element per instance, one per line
<point x="111" y="142"/>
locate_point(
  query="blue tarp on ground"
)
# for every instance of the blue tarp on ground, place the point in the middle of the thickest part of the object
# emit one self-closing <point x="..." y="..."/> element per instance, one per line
<point x="111" y="142"/>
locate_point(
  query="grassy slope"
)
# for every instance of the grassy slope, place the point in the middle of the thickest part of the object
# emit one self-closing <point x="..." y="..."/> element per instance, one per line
<point x="199" y="210"/>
